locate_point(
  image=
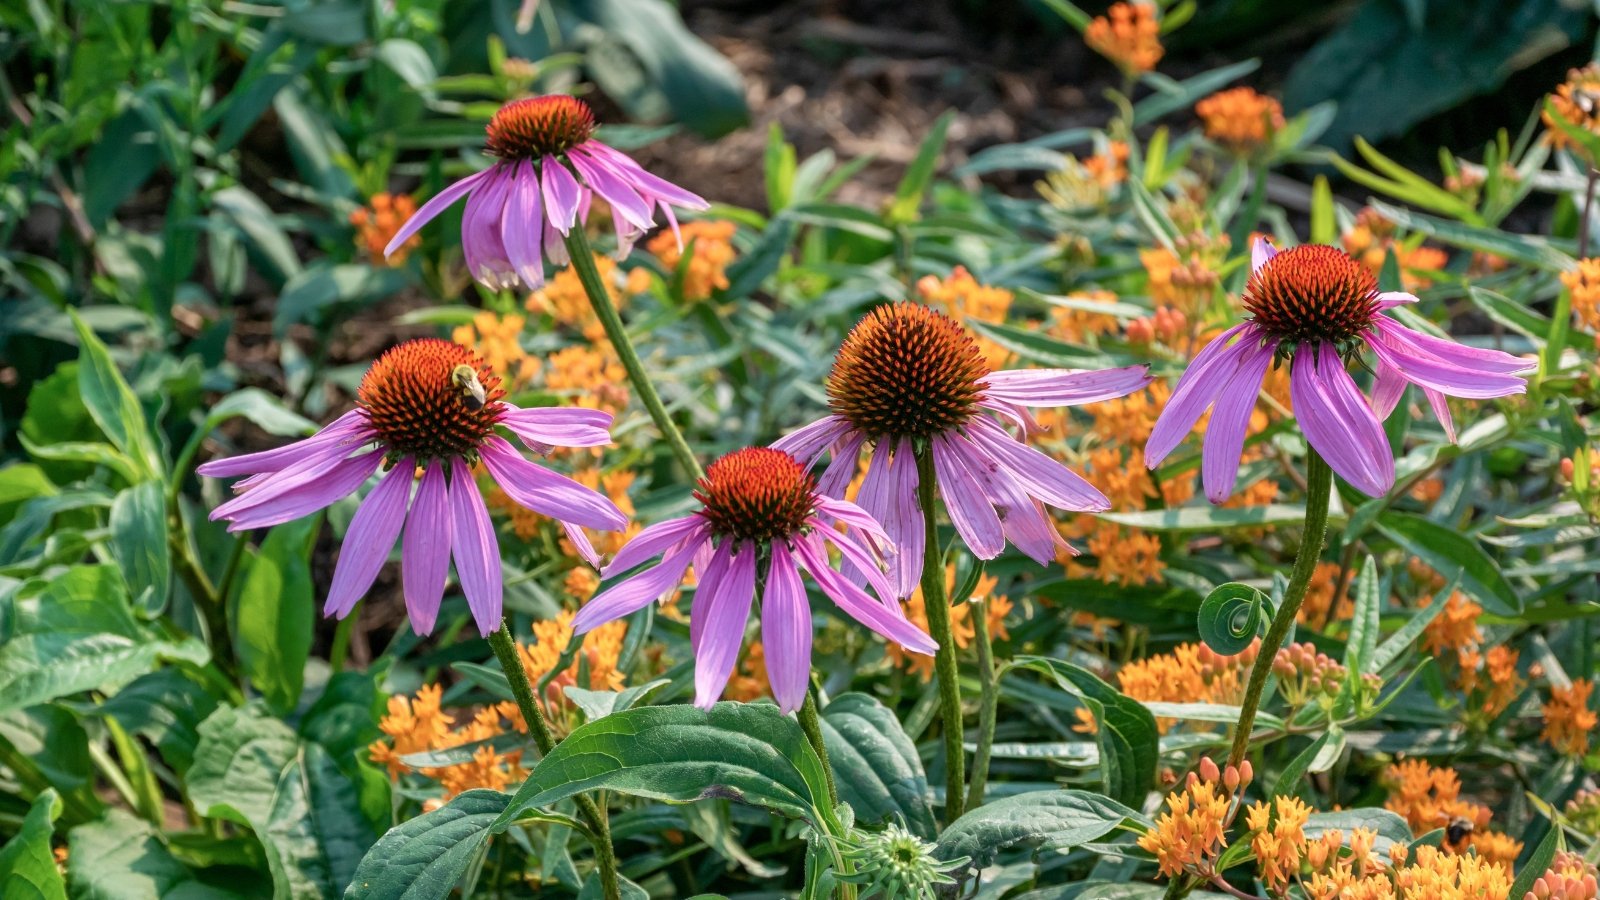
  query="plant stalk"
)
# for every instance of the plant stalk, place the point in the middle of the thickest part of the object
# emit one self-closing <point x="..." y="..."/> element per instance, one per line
<point x="1319" y="488"/>
<point x="988" y="704"/>
<point x="605" y="856"/>
<point x="937" y="604"/>
<point x="1588" y="204"/>
<point x="599" y="298"/>
<point x="811" y="725"/>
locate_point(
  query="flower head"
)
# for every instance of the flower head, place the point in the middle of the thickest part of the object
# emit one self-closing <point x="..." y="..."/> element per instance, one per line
<point x="712" y="252"/>
<point x="1577" y="102"/>
<point x="1128" y="35"/>
<point x="910" y="381"/>
<point x="1568" y="720"/>
<point x="548" y="169"/>
<point x="377" y="223"/>
<point x="1583" y="284"/>
<point x="1313" y="308"/>
<point x="1240" y="119"/>
<point x="894" y="864"/>
<point x="427" y="412"/>
<point x="760" y="511"/>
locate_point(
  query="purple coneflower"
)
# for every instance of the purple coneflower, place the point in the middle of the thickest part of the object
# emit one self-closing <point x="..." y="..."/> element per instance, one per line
<point x="430" y="406"/>
<point x="760" y="510"/>
<point x="1315" y="308"/>
<point x="909" y="380"/>
<point x="549" y="169"/>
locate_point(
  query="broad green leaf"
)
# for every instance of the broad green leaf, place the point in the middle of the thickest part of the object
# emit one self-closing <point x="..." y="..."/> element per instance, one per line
<point x="1446" y="551"/>
<point x="238" y="763"/>
<point x="27" y="866"/>
<point x="165" y="707"/>
<point x="745" y="752"/>
<point x="111" y="402"/>
<point x="1045" y="820"/>
<point x="1288" y="782"/>
<point x="315" y="835"/>
<point x="425" y="857"/>
<point x="310" y="292"/>
<point x="599" y="704"/>
<point x="38" y="668"/>
<point x="1126" y="730"/>
<point x="274" y="612"/>
<point x="1390" y="828"/>
<point x="875" y="764"/>
<point x="139" y="543"/>
<point x="120" y="858"/>
<point x="262" y="410"/>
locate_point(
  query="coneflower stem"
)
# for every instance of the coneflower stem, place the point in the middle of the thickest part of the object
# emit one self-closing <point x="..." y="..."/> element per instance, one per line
<point x="1319" y="488"/>
<point x="1588" y="204"/>
<point x="811" y="726"/>
<point x="606" y="311"/>
<point x="988" y="704"/>
<point x="605" y="856"/>
<point x="937" y="605"/>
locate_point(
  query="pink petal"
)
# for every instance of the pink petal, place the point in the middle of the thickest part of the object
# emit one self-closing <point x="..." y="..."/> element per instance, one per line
<point x="655" y="540"/>
<point x="425" y="551"/>
<point x="853" y="516"/>
<point x="1441" y="411"/>
<point x="1479" y="358"/>
<point x="476" y="551"/>
<point x="807" y="443"/>
<point x="659" y="189"/>
<point x="905" y="524"/>
<point x="369" y="539"/>
<point x="561" y="193"/>
<point x="581" y="544"/>
<point x="1043" y="477"/>
<point x="1338" y="422"/>
<point x="786" y="630"/>
<point x="303" y="499"/>
<point x="1391" y="299"/>
<point x="835" y="479"/>
<point x="625" y="201"/>
<point x="1427" y="370"/>
<point x="711" y="567"/>
<point x="350" y="428"/>
<point x="725" y="619"/>
<point x="964" y="501"/>
<point x="1261" y="250"/>
<point x="481" y="227"/>
<point x="632" y="594"/>
<point x="524" y="226"/>
<point x="1230" y="419"/>
<point x="432" y="208"/>
<point x="559" y="426"/>
<point x="543" y="491"/>
<point x="1021" y="517"/>
<point x="1206" y="376"/>
<point x="1388" y="386"/>
<point x="862" y="559"/>
<point x="1063" y="387"/>
<point x="891" y="624"/>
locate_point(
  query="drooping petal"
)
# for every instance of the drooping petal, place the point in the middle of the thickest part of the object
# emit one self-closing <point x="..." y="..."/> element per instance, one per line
<point x="1063" y="387"/>
<point x="807" y="443"/>
<point x="906" y="526"/>
<point x="481" y="226"/>
<point x="1423" y="368"/>
<point x="660" y="189"/>
<point x="786" y="630"/>
<point x="1481" y="359"/>
<point x="425" y="550"/>
<point x="709" y="575"/>
<point x="862" y="559"/>
<point x="369" y="539"/>
<point x="853" y="516"/>
<point x="624" y="200"/>
<point x="835" y="479"/>
<point x="259" y="489"/>
<point x="523" y="234"/>
<point x="892" y="624"/>
<point x="723" y="632"/>
<point x="1338" y="423"/>
<point x="1021" y="517"/>
<point x="1043" y="477"/>
<point x="350" y="428"/>
<point x="438" y="204"/>
<point x="559" y="426"/>
<point x="543" y="491"/>
<point x="561" y="192"/>
<point x="302" y="499"/>
<point x="1261" y="250"/>
<point x="654" y="541"/>
<point x="1207" y="375"/>
<point x="581" y="544"/>
<point x="1441" y="411"/>
<point x="1391" y="299"/>
<point x="1388" y="386"/>
<point x="964" y="501"/>
<point x="632" y="594"/>
<point x="476" y="551"/>
<point x="1224" y="441"/>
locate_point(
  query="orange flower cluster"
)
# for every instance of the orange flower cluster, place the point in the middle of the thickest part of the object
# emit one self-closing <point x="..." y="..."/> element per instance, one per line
<point x="1128" y="420"/>
<point x="1456" y="628"/>
<point x="1568" y="720"/>
<point x="1191" y="673"/>
<point x="964" y="299"/>
<point x="1432" y="875"/>
<point x="1429" y="797"/>
<point x="1128" y="35"/>
<point x="712" y="241"/>
<point x="498" y="340"/>
<point x="995" y="610"/>
<point x="376" y="225"/>
<point x="1372" y="236"/>
<point x="1490" y="680"/>
<point x="1166" y="325"/>
<point x="1109" y="166"/>
<point x="1087" y="183"/>
<point x="1577" y="102"/>
<point x="1193" y="831"/>
<point x="1187" y="284"/>
<point x="565" y="301"/>
<point x="1583" y="284"/>
<point x="749" y="681"/>
<point x="1075" y="326"/>
<point x="1568" y="878"/>
<point x="1278" y="838"/>
<point x="418" y="724"/>
<point x="1240" y="119"/>
<point x="1320" y="607"/>
<point x="591" y="375"/>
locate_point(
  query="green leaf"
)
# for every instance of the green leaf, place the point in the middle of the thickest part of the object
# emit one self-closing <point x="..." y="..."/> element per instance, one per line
<point x="315" y="835"/>
<point x="38" y="668"/>
<point x="1526" y="249"/>
<point x="1390" y="828"/>
<point x="1538" y="863"/>
<point x="256" y="221"/>
<point x="1126" y="732"/>
<point x="745" y="752"/>
<point x="120" y="858"/>
<point x="1045" y="820"/>
<point x="309" y="293"/>
<point x="1231" y="617"/>
<point x="27" y="866"/>
<point x="425" y="857"/>
<point x="240" y="759"/>
<point x="262" y="410"/>
<point x="1288" y="782"/>
<point x="1391" y="649"/>
<point x="875" y="763"/>
<point x="1364" y="626"/>
<point x="166" y="707"/>
<point x="1324" y="227"/>
<point x="1173" y="96"/>
<point x="599" y="704"/>
<point x="274" y="613"/>
<point x="1446" y="551"/>
<point x="1210" y="518"/>
<point x="111" y="402"/>
<point x="139" y="544"/>
<point x="907" y="201"/>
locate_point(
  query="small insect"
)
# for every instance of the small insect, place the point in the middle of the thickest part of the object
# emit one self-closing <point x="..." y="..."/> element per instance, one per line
<point x="465" y="379"/>
<point x="1457" y="832"/>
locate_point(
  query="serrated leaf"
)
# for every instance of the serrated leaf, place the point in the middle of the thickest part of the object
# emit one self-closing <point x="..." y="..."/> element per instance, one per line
<point x="875" y="764"/>
<point x="1045" y="820"/>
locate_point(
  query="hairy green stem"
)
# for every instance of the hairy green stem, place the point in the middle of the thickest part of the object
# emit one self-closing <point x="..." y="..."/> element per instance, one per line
<point x="605" y="856"/>
<point x="937" y="604"/>
<point x="811" y="726"/>
<point x="1319" y="488"/>
<point x="988" y="704"/>
<point x="599" y="298"/>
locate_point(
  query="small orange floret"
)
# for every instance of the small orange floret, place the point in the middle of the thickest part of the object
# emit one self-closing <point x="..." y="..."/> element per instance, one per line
<point x="1128" y="35"/>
